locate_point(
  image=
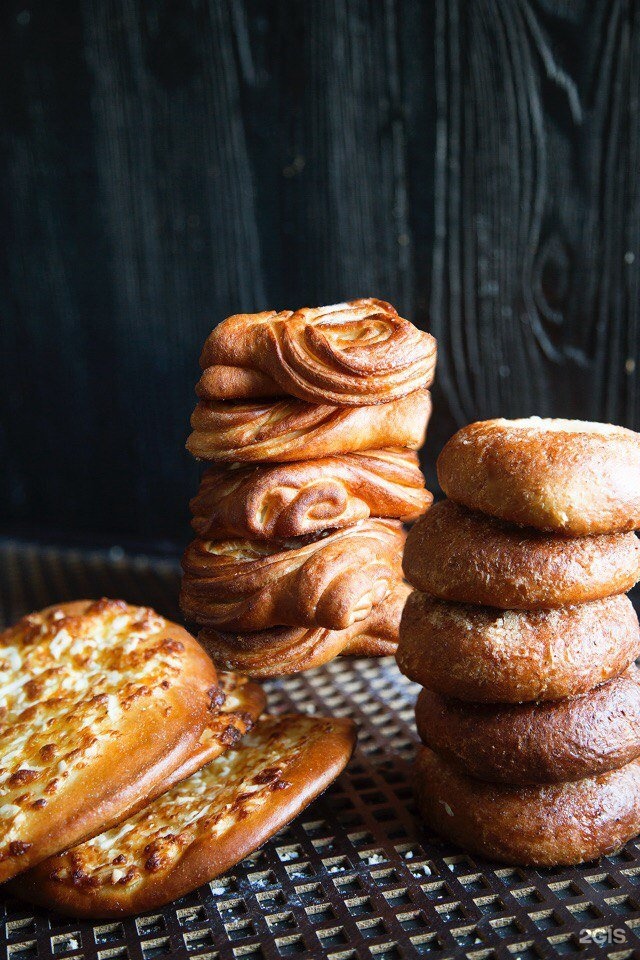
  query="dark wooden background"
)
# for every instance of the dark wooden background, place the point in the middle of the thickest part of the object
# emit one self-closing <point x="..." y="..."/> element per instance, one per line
<point x="166" y="163"/>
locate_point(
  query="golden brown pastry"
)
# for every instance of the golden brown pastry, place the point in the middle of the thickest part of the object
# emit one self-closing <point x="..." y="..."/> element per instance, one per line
<point x="456" y="554"/>
<point x="285" y="650"/>
<point x="286" y="430"/>
<point x="240" y="703"/>
<point x="545" y="826"/>
<point x="201" y="827"/>
<point x="293" y="500"/>
<point x="348" y="354"/>
<point x="489" y="655"/>
<point x="330" y="580"/>
<point x="101" y="703"/>
<point x="568" y="476"/>
<point x="530" y="743"/>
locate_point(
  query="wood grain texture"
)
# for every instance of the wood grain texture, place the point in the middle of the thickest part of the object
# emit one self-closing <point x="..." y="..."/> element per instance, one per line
<point x="166" y="164"/>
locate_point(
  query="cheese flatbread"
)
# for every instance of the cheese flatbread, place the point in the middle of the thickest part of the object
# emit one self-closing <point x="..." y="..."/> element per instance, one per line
<point x="200" y="827"/>
<point x="99" y="703"/>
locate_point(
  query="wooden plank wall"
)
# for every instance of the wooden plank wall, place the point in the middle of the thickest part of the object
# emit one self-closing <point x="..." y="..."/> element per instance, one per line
<point x="166" y="163"/>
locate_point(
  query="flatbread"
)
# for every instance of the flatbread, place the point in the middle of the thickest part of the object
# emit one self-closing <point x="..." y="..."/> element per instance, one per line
<point x="99" y="703"/>
<point x="201" y="827"/>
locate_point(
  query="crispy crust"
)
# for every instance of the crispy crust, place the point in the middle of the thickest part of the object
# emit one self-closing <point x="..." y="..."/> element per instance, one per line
<point x="272" y="653"/>
<point x="112" y="699"/>
<point x="241" y="702"/>
<point x="219" y="382"/>
<point x="293" y="500"/>
<point x="349" y="354"/>
<point x="287" y="430"/>
<point x="331" y="580"/>
<point x="532" y="743"/>
<point x="558" y="475"/>
<point x="458" y="555"/>
<point x="488" y="655"/>
<point x="201" y="827"/>
<point x="546" y="826"/>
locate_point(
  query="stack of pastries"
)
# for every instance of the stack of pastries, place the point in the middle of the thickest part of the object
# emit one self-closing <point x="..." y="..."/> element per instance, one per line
<point x="520" y="632"/>
<point x="310" y="421"/>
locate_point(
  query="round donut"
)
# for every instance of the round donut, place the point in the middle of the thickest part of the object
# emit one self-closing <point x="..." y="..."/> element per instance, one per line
<point x="456" y="554"/>
<point x="536" y="742"/>
<point x="540" y="826"/>
<point x="494" y="656"/>
<point x="567" y="476"/>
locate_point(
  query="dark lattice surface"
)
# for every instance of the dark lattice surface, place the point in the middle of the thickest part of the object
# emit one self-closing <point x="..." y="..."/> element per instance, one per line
<point x="353" y="877"/>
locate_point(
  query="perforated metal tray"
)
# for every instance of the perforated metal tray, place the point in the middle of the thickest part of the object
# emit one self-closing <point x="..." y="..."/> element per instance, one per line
<point x="355" y="876"/>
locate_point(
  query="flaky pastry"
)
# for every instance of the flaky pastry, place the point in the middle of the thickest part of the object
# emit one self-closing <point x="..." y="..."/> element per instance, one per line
<point x="284" y="650"/>
<point x="348" y="354"/>
<point x="286" y="430"/>
<point x="330" y="580"/>
<point x="292" y="500"/>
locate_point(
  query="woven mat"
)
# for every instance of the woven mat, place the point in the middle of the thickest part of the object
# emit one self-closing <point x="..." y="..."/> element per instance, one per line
<point x="354" y="876"/>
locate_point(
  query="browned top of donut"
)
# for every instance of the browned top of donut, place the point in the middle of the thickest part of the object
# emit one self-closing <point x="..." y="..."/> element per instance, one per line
<point x="570" y="476"/>
<point x="457" y="554"/>
<point x="352" y="354"/>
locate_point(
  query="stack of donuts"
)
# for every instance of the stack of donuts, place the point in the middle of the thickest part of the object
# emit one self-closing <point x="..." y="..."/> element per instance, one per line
<point x="310" y="421"/>
<point x="522" y="636"/>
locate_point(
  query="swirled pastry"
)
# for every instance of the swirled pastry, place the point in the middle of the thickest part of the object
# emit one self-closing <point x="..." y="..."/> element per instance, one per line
<point x="348" y="354"/>
<point x="101" y="702"/>
<point x="293" y="500"/>
<point x="568" y="476"/>
<point x="286" y="430"/>
<point x="331" y="580"/>
<point x="284" y="650"/>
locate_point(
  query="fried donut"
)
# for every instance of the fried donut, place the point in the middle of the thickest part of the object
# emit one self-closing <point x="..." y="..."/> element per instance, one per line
<point x="487" y="655"/>
<point x="544" y="826"/>
<point x="287" y="430"/>
<point x="567" y="476"/>
<point x="455" y="554"/>
<point x="293" y="500"/>
<point x="272" y="653"/>
<point x="348" y="354"/>
<point x="536" y="742"/>
<point x="330" y="580"/>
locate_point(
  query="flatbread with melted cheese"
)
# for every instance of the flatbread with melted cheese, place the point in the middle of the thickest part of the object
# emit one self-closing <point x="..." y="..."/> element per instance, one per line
<point x="200" y="827"/>
<point x="99" y="703"/>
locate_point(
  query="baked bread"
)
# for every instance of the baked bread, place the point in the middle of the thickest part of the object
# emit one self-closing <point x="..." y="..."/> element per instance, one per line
<point x="543" y="826"/>
<point x="356" y="353"/>
<point x="201" y="827"/>
<point x="510" y="656"/>
<point x="284" y="650"/>
<point x="286" y="430"/>
<point x="329" y="580"/>
<point x="297" y="499"/>
<point x="530" y="743"/>
<point x="455" y="554"/>
<point x="567" y="476"/>
<point x="240" y="702"/>
<point x="101" y="703"/>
